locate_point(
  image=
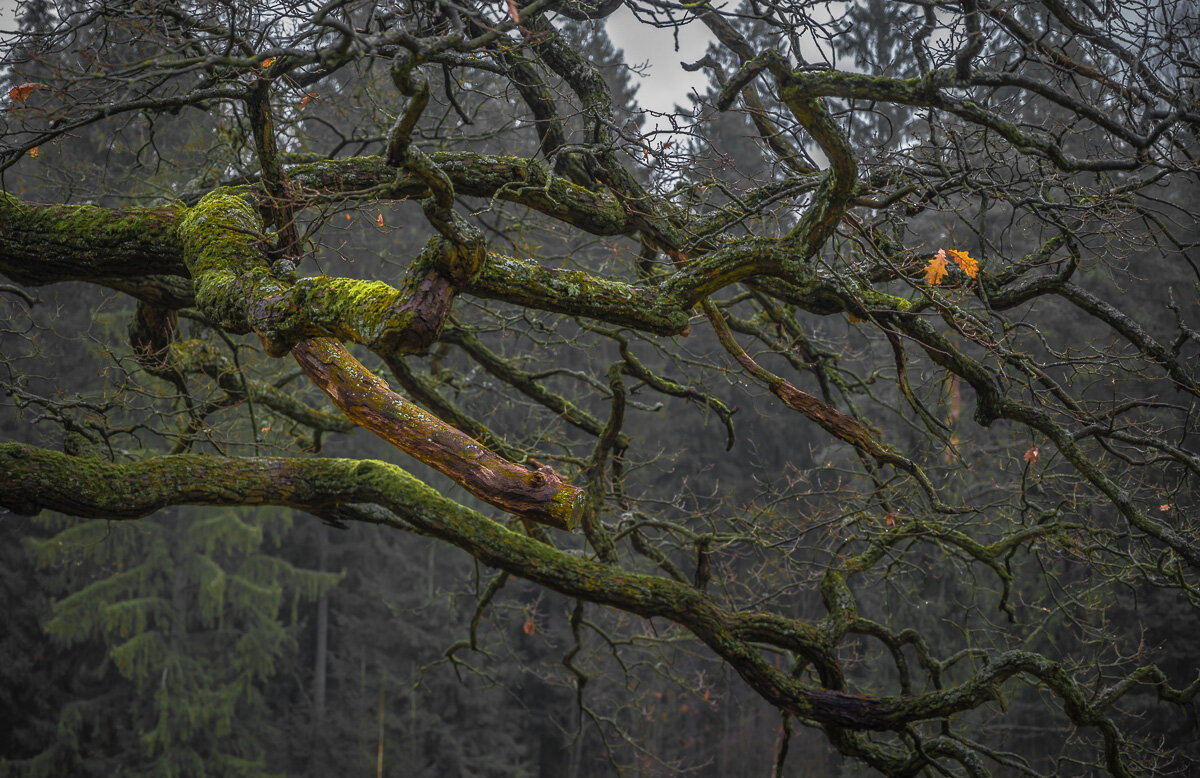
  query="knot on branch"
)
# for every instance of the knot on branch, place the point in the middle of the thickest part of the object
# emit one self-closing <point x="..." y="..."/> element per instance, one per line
<point x="234" y="287"/>
<point x="460" y="260"/>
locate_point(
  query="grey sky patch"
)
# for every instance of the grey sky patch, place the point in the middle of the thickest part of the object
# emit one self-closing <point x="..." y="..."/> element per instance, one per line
<point x="664" y="83"/>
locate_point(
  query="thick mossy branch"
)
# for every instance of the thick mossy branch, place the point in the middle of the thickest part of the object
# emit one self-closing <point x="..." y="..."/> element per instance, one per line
<point x="540" y="495"/>
<point x="829" y="418"/>
<point x="528" y="284"/>
<point x="491" y="176"/>
<point x="698" y="277"/>
<point x="33" y="479"/>
<point x="223" y="246"/>
<point x="45" y="244"/>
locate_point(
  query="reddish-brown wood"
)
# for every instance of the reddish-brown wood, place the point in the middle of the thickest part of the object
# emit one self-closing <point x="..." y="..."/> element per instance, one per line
<point x="540" y="495"/>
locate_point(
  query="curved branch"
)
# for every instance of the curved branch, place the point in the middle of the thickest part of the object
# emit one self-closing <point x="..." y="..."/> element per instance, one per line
<point x="32" y="479"/>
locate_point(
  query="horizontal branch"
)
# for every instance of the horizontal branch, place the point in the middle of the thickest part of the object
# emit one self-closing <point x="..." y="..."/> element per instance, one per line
<point x="492" y="176"/>
<point x="46" y="244"/>
<point x="222" y="243"/>
<point x="33" y="479"/>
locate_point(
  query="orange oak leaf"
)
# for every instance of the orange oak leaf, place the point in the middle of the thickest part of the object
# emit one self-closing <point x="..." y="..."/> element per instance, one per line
<point x="308" y="98"/>
<point x="266" y="63"/>
<point x="21" y="92"/>
<point x="529" y="627"/>
<point x="379" y="221"/>
<point x="1032" y="455"/>
<point x="512" y="11"/>
<point x="965" y="262"/>
<point x="33" y="152"/>
<point x="935" y="271"/>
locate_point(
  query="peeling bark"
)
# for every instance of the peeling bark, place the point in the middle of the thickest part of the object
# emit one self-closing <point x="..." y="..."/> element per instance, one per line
<point x="540" y="495"/>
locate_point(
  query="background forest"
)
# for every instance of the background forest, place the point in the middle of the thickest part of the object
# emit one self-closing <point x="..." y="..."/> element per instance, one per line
<point x="248" y="641"/>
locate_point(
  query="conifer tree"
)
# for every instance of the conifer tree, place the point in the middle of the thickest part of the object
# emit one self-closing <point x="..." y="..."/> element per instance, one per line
<point x="184" y="620"/>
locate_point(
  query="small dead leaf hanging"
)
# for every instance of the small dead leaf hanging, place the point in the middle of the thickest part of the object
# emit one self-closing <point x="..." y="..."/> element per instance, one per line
<point x="936" y="270"/>
<point x="965" y="262"/>
<point x="21" y="92"/>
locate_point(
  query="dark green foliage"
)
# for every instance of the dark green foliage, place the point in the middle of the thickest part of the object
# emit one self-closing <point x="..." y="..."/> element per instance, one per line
<point x="176" y="626"/>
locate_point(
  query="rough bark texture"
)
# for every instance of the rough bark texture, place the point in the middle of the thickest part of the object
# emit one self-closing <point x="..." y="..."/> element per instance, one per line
<point x="1070" y="123"/>
<point x="540" y="495"/>
<point x="34" y="480"/>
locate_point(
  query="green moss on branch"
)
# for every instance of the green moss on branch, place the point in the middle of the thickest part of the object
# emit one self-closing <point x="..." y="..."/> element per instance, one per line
<point x="45" y="244"/>
<point x="576" y="293"/>
<point x="32" y="479"/>
<point x="223" y="239"/>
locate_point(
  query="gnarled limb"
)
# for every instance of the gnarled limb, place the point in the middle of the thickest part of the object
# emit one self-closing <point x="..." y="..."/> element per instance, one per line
<point x="222" y="242"/>
<point x="32" y="479"/>
<point x="540" y="495"/>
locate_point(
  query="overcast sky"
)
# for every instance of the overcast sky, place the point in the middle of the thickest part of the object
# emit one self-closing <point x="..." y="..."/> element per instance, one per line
<point x="665" y="83"/>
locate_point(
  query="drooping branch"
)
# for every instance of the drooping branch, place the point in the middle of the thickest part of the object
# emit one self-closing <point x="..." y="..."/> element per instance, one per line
<point x="505" y="178"/>
<point x="32" y="480"/>
<point x="424" y="390"/>
<point x="540" y="495"/>
<point x="830" y="419"/>
<point x="235" y="287"/>
<point x="221" y="244"/>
